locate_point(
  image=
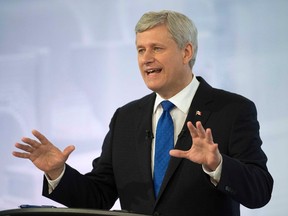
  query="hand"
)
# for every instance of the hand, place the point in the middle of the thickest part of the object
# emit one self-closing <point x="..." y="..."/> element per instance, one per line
<point x="203" y="150"/>
<point x="43" y="154"/>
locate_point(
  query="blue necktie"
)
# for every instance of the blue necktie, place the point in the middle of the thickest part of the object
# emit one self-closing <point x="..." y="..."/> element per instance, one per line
<point x="163" y="144"/>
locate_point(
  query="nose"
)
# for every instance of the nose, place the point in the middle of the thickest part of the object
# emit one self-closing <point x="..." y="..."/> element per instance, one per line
<point x="147" y="57"/>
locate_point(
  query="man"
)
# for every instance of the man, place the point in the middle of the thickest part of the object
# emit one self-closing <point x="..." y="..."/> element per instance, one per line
<point x="217" y="162"/>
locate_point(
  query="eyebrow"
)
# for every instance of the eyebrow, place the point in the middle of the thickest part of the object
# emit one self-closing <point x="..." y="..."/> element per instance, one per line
<point x="152" y="45"/>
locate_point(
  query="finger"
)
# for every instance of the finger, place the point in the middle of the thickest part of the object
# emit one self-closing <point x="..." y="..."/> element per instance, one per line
<point x="40" y="137"/>
<point x="200" y="129"/>
<point x="178" y="153"/>
<point x="26" y="148"/>
<point x="30" y="142"/>
<point x="192" y="129"/>
<point x="209" y="136"/>
<point x="21" y="154"/>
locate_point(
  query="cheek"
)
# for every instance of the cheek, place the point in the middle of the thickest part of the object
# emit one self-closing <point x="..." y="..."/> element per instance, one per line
<point x="170" y="59"/>
<point x="140" y="65"/>
<point x="139" y="60"/>
<point x="175" y="63"/>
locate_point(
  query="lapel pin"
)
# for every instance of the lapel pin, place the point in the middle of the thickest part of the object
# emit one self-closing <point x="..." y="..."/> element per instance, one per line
<point x="198" y="113"/>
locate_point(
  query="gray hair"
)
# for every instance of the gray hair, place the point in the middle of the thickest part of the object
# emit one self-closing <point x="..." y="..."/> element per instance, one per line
<point x="181" y="28"/>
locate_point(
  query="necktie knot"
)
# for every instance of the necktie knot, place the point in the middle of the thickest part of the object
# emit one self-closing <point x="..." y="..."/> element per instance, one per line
<point x="167" y="105"/>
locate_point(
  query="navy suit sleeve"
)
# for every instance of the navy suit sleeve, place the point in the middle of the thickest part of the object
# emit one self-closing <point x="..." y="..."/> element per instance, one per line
<point x="244" y="173"/>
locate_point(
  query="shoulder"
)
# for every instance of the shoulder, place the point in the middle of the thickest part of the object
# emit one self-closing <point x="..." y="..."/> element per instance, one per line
<point x="135" y="110"/>
<point x="220" y="95"/>
<point x="142" y="103"/>
<point x="219" y="99"/>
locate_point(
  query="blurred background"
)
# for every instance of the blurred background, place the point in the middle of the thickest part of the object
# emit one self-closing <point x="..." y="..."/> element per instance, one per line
<point x="66" y="65"/>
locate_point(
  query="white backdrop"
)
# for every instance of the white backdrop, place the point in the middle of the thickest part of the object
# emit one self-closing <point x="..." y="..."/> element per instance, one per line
<point x="66" y="65"/>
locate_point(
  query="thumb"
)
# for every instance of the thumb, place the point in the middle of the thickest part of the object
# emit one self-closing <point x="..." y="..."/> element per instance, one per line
<point x="68" y="150"/>
<point x="178" y="153"/>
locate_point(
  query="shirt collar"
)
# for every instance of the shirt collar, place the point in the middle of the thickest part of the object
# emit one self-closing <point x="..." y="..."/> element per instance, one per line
<point x="182" y="100"/>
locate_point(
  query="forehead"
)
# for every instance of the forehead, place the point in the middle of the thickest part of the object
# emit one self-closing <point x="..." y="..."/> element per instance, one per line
<point x="155" y="35"/>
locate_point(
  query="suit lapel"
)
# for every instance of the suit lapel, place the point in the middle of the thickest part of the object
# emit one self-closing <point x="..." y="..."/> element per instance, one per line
<point x="198" y="112"/>
<point x="144" y="139"/>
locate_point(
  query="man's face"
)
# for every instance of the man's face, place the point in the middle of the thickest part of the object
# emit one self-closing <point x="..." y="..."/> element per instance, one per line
<point x="163" y="65"/>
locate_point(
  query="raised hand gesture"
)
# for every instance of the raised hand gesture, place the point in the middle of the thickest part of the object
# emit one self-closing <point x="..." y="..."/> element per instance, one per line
<point x="203" y="151"/>
<point x="43" y="154"/>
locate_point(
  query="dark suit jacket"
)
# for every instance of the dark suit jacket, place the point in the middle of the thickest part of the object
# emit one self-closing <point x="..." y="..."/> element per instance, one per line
<point x="124" y="168"/>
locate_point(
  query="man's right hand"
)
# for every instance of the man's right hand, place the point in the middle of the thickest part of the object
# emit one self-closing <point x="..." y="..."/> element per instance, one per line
<point x="43" y="154"/>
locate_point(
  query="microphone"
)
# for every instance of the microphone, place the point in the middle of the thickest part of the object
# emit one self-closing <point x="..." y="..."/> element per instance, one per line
<point x="149" y="134"/>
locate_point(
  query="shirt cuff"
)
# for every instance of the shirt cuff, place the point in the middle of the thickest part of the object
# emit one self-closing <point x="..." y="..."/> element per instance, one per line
<point x="52" y="184"/>
<point x="214" y="175"/>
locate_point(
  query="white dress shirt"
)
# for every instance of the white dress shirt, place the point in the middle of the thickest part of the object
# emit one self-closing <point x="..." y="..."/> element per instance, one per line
<point x="182" y="102"/>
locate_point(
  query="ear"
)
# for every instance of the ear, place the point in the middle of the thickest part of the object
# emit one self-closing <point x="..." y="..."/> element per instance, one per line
<point x="187" y="53"/>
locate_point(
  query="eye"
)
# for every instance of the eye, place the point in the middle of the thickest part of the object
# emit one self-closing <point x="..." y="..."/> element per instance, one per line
<point x="141" y="51"/>
<point x="157" y="49"/>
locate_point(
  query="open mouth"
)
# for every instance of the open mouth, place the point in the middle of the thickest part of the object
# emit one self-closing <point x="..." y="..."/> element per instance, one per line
<point x="156" y="70"/>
